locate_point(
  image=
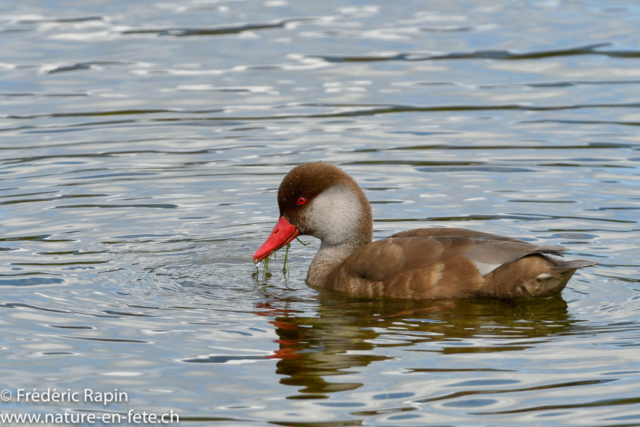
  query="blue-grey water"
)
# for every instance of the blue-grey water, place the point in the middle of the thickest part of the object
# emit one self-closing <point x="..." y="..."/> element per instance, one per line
<point x="141" y="147"/>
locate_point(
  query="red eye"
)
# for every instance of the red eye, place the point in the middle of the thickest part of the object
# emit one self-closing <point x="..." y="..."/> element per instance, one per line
<point x="302" y="201"/>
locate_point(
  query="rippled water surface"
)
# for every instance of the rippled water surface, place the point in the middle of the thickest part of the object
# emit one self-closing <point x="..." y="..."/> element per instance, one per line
<point x="142" y="144"/>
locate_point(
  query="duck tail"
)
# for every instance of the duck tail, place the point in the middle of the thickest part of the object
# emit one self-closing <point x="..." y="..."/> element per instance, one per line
<point x="562" y="266"/>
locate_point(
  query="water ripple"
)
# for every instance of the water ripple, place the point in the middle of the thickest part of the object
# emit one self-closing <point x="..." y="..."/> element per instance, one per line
<point x="143" y="146"/>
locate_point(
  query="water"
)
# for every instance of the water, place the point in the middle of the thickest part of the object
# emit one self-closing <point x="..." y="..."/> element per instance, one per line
<point x="142" y="146"/>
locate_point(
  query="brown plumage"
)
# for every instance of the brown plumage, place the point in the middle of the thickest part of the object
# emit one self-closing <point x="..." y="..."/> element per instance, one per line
<point x="320" y="200"/>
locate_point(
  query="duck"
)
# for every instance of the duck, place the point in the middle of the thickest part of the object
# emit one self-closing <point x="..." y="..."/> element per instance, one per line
<point x="321" y="200"/>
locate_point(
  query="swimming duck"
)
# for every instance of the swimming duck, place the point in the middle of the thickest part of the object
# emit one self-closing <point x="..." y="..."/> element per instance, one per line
<point x="321" y="200"/>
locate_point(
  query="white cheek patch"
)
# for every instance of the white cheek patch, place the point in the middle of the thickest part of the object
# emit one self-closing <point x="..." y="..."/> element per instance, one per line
<point x="334" y="215"/>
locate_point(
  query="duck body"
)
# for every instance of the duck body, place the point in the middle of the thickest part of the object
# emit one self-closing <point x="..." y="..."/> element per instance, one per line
<point x="320" y="200"/>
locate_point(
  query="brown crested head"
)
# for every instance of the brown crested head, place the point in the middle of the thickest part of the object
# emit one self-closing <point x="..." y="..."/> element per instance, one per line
<point x="302" y="186"/>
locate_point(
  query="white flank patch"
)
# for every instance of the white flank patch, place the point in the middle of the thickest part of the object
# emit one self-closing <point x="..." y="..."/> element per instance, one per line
<point x="485" y="268"/>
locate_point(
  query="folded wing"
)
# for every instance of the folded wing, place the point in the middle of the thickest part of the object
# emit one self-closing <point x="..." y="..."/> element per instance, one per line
<point x="432" y="263"/>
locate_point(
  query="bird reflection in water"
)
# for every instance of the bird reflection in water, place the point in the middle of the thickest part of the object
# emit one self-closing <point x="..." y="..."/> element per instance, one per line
<point x="346" y="333"/>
